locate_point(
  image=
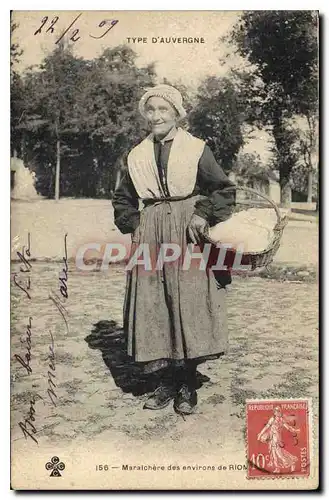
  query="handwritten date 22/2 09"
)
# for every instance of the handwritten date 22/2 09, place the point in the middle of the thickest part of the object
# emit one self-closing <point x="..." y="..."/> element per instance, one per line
<point x="50" y="25"/>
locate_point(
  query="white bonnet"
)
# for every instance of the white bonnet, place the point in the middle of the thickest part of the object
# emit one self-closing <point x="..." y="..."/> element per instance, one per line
<point x="167" y="92"/>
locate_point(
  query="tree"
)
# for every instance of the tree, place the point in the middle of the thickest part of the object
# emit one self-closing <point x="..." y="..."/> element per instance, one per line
<point x="15" y="51"/>
<point x="283" y="47"/>
<point x="79" y="117"/>
<point x="217" y="119"/>
<point x="248" y="169"/>
<point x="306" y="147"/>
<point x="16" y="94"/>
<point x="110" y="117"/>
<point x="50" y="113"/>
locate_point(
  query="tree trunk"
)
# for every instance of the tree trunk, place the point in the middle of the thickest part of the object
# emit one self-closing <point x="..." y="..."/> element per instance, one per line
<point x="284" y="161"/>
<point x="285" y="192"/>
<point x="22" y="146"/>
<point x="58" y="168"/>
<point x="310" y="187"/>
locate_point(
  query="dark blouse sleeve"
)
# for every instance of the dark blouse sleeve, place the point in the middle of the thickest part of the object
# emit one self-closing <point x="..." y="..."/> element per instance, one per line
<point x="125" y="204"/>
<point x="211" y="181"/>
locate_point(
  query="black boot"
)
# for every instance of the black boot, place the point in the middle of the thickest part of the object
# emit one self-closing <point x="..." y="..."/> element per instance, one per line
<point x="160" y="398"/>
<point x="162" y="394"/>
<point x="186" y="398"/>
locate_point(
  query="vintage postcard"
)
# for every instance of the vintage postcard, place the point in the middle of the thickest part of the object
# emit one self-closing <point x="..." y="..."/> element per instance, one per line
<point x="164" y="250"/>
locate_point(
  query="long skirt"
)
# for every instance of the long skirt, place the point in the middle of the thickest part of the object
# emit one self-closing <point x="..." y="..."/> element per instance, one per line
<point x="173" y="311"/>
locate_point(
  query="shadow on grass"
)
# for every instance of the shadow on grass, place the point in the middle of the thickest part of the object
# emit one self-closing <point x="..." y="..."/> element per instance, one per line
<point x="110" y="339"/>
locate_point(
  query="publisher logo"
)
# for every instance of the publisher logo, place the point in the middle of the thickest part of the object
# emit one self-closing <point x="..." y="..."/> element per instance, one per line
<point x="55" y="466"/>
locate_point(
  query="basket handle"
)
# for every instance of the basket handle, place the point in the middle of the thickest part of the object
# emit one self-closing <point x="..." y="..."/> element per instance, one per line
<point x="253" y="191"/>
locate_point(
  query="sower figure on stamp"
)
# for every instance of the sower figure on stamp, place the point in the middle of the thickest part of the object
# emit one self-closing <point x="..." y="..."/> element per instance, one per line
<point x="174" y="315"/>
<point x="272" y="433"/>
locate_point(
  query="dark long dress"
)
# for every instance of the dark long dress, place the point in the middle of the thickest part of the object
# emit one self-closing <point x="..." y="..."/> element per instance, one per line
<point x="174" y="314"/>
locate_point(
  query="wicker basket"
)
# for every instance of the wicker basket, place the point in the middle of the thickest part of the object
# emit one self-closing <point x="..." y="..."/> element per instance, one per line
<point x="264" y="258"/>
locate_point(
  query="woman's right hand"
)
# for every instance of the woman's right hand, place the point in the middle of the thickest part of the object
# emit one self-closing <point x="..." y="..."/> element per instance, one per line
<point x="197" y="228"/>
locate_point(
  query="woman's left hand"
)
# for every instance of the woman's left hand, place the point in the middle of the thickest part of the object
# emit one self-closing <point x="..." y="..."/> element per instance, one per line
<point x="197" y="228"/>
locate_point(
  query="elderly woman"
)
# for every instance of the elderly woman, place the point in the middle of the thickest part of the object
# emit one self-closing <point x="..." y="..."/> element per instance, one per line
<point x="174" y="314"/>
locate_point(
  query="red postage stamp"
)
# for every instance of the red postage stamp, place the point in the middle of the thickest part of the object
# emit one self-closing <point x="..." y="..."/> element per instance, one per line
<point x="278" y="438"/>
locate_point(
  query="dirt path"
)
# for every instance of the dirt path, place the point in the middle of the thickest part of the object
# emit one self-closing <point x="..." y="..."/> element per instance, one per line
<point x="88" y="220"/>
<point x="273" y="353"/>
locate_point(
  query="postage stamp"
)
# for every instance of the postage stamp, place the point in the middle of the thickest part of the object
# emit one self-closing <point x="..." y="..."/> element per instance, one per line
<point x="278" y="438"/>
